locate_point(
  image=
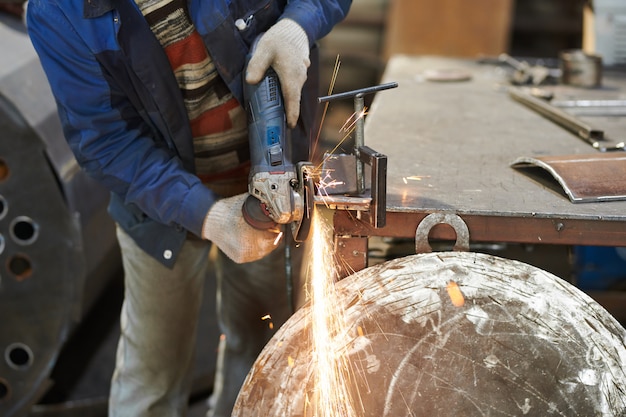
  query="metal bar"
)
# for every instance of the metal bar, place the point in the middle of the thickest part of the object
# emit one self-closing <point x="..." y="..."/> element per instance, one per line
<point x="585" y="131"/>
<point x="593" y="108"/>
<point x="529" y="229"/>
<point x="353" y="93"/>
<point x="589" y="103"/>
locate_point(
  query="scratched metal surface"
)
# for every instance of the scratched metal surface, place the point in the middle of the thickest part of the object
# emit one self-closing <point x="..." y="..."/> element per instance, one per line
<point x="450" y="144"/>
<point x="508" y="339"/>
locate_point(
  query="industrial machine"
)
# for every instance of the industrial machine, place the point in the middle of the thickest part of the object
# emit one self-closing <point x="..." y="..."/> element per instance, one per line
<point x="57" y="243"/>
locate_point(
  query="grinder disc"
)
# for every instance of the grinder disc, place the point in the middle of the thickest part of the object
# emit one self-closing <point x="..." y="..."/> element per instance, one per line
<point x="300" y="228"/>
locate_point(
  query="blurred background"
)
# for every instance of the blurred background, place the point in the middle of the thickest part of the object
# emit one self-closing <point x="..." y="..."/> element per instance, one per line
<point x="65" y="367"/>
<point x="376" y="29"/>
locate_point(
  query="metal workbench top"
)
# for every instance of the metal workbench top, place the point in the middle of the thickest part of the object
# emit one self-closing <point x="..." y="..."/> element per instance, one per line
<point x="450" y="146"/>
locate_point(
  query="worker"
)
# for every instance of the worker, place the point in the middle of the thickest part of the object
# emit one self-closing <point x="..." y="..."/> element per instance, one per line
<point x="149" y="93"/>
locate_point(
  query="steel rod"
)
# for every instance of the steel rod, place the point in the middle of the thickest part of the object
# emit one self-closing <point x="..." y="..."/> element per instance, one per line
<point x="353" y="93"/>
<point x="585" y="131"/>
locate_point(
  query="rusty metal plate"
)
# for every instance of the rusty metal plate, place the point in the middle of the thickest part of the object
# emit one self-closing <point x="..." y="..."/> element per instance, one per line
<point x="583" y="178"/>
<point x="450" y="334"/>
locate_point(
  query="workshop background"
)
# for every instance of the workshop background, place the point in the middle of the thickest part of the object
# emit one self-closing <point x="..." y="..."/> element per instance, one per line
<point x="81" y="366"/>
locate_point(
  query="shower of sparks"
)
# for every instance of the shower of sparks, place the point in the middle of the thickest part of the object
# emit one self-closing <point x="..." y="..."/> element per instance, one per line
<point x="324" y="179"/>
<point x="328" y="324"/>
<point x="326" y="182"/>
<point x="333" y="371"/>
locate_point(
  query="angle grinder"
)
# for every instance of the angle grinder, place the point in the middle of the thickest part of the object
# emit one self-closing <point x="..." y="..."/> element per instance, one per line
<point x="281" y="192"/>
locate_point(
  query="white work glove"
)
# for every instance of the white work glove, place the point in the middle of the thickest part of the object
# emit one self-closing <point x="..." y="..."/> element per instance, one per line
<point x="225" y="226"/>
<point x="284" y="47"/>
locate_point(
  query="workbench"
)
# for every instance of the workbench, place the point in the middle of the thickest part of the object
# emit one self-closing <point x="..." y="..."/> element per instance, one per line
<point x="450" y="146"/>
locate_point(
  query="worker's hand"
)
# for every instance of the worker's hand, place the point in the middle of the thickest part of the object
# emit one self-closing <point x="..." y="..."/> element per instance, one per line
<point x="224" y="226"/>
<point x="284" y="47"/>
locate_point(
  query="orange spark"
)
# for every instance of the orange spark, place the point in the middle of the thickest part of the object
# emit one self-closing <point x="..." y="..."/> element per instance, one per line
<point x="350" y="124"/>
<point x="414" y="178"/>
<point x="326" y="182"/>
<point x="268" y="317"/>
<point x="456" y="296"/>
<point x="331" y="87"/>
<point x="277" y="240"/>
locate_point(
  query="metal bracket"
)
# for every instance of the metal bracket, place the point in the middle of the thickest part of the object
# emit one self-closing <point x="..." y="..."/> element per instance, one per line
<point x="378" y="163"/>
<point x="366" y="155"/>
<point x="433" y="219"/>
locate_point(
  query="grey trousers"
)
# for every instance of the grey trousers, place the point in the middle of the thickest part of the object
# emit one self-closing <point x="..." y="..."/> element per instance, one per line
<point x="159" y="319"/>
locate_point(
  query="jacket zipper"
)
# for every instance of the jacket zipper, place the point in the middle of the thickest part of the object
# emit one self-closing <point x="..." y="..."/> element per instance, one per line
<point x="244" y="23"/>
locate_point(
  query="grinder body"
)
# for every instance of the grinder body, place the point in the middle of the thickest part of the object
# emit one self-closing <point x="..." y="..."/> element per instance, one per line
<point x="276" y="185"/>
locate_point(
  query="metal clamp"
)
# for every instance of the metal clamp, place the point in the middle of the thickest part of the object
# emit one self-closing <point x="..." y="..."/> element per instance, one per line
<point x="433" y="219"/>
<point x="378" y="164"/>
<point x="366" y="155"/>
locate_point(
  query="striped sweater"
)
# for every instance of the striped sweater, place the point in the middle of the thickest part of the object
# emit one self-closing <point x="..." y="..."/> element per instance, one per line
<point x="218" y="122"/>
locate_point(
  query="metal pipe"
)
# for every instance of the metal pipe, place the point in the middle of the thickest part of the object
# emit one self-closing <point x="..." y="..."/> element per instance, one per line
<point x="362" y="91"/>
<point x="585" y="131"/>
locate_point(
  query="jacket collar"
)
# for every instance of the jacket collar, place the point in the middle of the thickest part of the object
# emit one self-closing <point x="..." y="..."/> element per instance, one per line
<point x="95" y="8"/>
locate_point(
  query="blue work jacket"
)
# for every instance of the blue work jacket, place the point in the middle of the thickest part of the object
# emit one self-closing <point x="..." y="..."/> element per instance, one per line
<point x="122" y="111"/>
